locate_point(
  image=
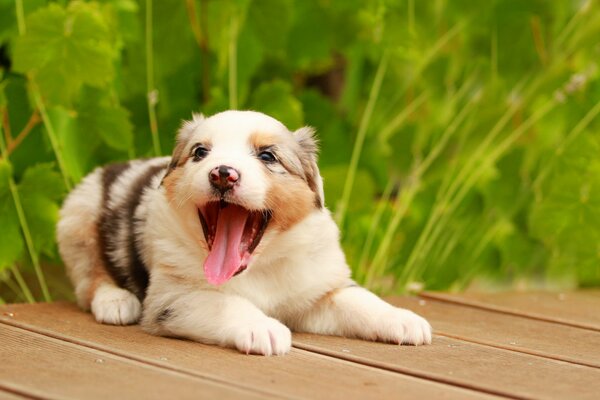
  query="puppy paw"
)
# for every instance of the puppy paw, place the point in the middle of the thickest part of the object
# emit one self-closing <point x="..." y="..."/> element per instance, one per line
<point x="402" y="326"/>
<point x="115" y="306"/>
<point x="266" y="336"/>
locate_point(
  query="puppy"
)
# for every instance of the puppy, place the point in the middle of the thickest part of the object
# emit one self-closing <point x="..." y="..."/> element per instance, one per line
<point x="227" y="242"/>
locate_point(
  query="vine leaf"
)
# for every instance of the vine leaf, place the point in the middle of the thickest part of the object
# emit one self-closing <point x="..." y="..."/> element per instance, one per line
<point x="65" y="48"/>
<point x="98" y="116"/>
<point x="276" y="99"/>
<point x="41" y="189"/>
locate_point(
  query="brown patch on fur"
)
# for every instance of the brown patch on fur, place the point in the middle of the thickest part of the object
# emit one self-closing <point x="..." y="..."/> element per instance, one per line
<point x="297" y="155"/>
<point x="290" y="199"/>
<point x="262" y="139"/>
<point x="183" y="137"/>
<point x="177" y="160"/>
<point x="98" y="273"/>
<point x="99" y="276"/>
<point x="327" y="298"/>
<point x="170" y="184"/>
<point x="308" y="158"/>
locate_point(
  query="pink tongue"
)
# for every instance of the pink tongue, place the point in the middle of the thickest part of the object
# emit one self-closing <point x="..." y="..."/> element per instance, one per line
<point x="224" y="258"/>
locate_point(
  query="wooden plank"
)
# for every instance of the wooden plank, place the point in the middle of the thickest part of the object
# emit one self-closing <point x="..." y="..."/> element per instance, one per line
<point x="471" y="365"/>
<point x="541" y="338"/>
<point x="300" y="374"/>
<point x="46" y="367"/>
<point x="579" y="309"/>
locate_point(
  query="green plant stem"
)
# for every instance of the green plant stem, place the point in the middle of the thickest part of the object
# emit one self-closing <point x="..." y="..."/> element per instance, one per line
<point x="28" y="240"/>
<point x="568" y="29"/>
<point x="375" y="223"/>
<point x="233" y="36"/>
<point x="20" y="17"/>
<point x="421" y="65"/>
<point x="399" y="119"/>
<point x="486" y="237"/>
<point x="411" y="189"/>
<point x="569" y="138"/>
<point x="411" y="16"/>
<point x="24" y="226"/>
<point x="360" y="138"/>
<point x="439" y="44"/>
<point x="152" y="93"/>
<point x="444" y="196"/>
<point x="14" y="287"/>
<point x="39" y="103"/>
<point x="22" y="284"/>
<point x="410" y="271"/>
<point x="494" y="54"/>
<point x="201" y="37"/>
<point x="403" y="201"/>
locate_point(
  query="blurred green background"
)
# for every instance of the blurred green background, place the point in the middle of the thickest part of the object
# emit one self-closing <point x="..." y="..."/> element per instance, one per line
<point x="460" y="139"/>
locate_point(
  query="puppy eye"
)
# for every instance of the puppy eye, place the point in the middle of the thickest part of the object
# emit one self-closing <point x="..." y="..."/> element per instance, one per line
<point x="199" y="153"/>
<point x="267" y="157"/>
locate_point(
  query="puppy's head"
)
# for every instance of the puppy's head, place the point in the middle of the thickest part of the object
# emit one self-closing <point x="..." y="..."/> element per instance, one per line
<point x="244" y="173"/>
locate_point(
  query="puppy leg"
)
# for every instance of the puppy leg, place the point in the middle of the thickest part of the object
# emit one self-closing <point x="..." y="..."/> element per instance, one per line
<point x="356" y="312"/>
<point x="216" y="318"/>
<point x="115" y="306"/>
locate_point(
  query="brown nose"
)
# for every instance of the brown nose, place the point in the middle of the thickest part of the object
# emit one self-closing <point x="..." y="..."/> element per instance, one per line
<point x="223" y="177"/>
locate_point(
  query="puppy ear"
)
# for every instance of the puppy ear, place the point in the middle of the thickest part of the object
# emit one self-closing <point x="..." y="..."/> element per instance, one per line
<point x="308" y="153"/>
<point x="183" y="136"/>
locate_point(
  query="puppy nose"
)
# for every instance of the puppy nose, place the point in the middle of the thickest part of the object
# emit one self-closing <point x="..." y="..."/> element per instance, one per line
<point x="223" y="177"/>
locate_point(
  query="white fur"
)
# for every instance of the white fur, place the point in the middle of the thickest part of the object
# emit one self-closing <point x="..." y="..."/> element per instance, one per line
<point x="115" y="306"/>
<point x="297" y="278"/>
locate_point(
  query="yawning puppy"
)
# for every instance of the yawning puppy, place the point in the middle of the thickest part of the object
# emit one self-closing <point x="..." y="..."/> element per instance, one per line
<point x="226" y="242"/>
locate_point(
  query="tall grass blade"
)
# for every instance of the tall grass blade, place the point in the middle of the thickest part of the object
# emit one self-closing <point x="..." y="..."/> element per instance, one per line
<point x="360" y="138"/>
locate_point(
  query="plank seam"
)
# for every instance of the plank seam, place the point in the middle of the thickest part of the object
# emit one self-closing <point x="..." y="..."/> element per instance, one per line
<point x="518" y="350"/>
<point x="19" y="392"/>
<point x="308" y="349"/>
<point x="405" y="371"/>
<point x="501" y="310"/>
<point x="141" y="360"/>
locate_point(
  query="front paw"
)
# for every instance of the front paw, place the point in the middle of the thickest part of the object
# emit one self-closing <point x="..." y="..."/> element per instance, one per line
<point x="266" y="336"/>
<point x="402" y="326"/>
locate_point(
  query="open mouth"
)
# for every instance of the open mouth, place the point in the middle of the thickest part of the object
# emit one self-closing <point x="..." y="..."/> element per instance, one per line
<point x="232" y="233"/>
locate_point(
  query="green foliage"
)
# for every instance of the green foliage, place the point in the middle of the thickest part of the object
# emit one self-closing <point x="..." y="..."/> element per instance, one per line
<point x="11" y="244"/>
<point x="40" y="190"/>
<point x="567" y="219"/>
<point x="479" y="164"/>
<point x="66" y="48"/>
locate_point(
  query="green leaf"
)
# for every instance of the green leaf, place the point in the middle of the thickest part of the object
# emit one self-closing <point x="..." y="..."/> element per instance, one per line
<point x="270" y="20"/>
<point x="8" y="16"/>
<point x="503" y="185"/>
<point x="40" y="190"/>
<point x="65" y="48"/>
<point x="11" y="241"/>
<point x="78" y="150"/>
<point x="567" y="219"/>
<point x="276" y="99"/>
<point x="310" y="38"/>
<point x="98" y="116"/>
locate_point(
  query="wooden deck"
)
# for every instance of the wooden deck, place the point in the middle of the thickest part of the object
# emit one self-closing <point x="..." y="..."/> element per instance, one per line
<point x="520" y="346"/>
